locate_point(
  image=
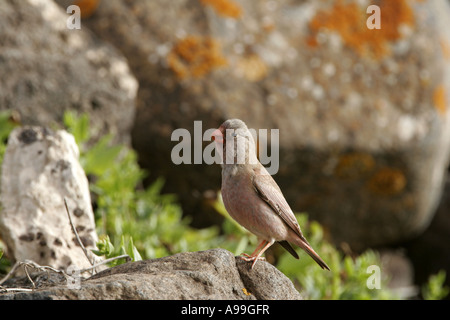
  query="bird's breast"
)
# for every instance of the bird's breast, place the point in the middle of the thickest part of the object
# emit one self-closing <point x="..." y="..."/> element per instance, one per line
<point x="246" y="207"/>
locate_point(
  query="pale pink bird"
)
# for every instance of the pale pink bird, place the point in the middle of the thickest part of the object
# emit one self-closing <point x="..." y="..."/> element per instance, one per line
<point x="252" y="197"/>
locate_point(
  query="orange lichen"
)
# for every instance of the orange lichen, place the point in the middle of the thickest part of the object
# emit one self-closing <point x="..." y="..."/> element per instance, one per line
<point x="387" y="182"/>
<point x="354" y="165"/>
<point x="268" y="27"/>
<point x="87" y="7"/>
<point x="252" y="68"/>
<point x="348" y="19"/>
<point x="245" y="291"/>
<point x="227" y="8"/>
<point x="311" y="41"/>
<point x="195" y="56"/>
<point x="439" y="99"/>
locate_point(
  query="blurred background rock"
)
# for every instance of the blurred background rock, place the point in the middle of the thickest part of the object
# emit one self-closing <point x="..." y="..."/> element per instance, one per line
<point x="362" y="114"/>
<point x="47" y="68"/>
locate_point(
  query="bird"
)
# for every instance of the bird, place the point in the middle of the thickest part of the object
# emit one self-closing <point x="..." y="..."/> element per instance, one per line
<point x="253" y="198"/>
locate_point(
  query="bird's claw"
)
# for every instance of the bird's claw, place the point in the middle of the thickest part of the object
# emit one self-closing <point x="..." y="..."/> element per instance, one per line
<point x="248" y="257"/>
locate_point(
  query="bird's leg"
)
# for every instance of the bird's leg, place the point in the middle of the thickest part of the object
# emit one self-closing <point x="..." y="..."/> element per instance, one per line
<point x="258" y="256"/>
<point x="261" y="244"/>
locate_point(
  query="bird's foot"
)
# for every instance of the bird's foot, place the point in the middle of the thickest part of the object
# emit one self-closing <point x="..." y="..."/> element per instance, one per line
<point x="249" y="258"/>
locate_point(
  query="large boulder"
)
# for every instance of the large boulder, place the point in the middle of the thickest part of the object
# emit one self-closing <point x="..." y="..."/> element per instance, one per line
<point x="40" y="169"/>
<point x="204" y="275"/>
<point x="429" y="251"/>
<point x="48" y="68"/>
<point x="362" y="113"/>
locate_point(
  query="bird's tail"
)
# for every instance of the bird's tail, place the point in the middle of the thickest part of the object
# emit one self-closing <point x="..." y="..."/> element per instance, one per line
<point x="309" y="250"/>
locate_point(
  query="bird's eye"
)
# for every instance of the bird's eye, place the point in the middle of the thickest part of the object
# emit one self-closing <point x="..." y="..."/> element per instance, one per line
<point x="234" y="134"/>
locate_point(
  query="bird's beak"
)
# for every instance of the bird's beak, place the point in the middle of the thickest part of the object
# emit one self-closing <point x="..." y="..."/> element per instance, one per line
<point x="217" y="136"/>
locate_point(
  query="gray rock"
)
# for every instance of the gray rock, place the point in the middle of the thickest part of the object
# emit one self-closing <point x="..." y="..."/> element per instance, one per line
<point x="40" y="169"/>
<point x="204" y="275"/>
<point x="363" y="119"/>
<point x="429" y="251"/>
<point x="51" y="69"/>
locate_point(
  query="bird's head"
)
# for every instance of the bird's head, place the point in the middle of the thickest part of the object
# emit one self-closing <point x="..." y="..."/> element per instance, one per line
<point x="235" y="143"/>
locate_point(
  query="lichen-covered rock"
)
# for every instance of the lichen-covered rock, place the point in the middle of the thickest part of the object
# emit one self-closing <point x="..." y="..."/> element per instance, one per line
<point x="40" y="169"/>
<point x="205" y="275"/>
<point x="51" y="68"/>
<point x="363" y="113"/>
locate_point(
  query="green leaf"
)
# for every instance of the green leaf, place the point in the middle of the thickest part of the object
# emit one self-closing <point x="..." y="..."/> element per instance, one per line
<point x="242" y="245"/>
<point x="123" y="250"/>
<point x="78" y="126"/>
<point x="100" y="157"/>
<point x="133" y="252"/>
<point x="6" y="126"/>
<point x="105" y="247"/>
<point x="435" y="288"/>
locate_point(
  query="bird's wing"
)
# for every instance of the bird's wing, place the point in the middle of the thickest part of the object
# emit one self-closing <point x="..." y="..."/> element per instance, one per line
<point x="269" y="191"/>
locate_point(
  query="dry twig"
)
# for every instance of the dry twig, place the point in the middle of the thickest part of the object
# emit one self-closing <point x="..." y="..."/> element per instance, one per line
<point x="31" y="264"/>
<point x="76" y="233"/>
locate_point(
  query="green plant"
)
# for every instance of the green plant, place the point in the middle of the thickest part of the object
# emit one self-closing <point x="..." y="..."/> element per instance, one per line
<point x="107" y="249"/>
<point x="348" y="278"/>
<point x="4" y="263"/>
<point x="78" y="127"/>
<point x="6" y="126"/>
<point x="435" y="289"/>
<point x="1" y="255"/>
<point x="153" y="222"/>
